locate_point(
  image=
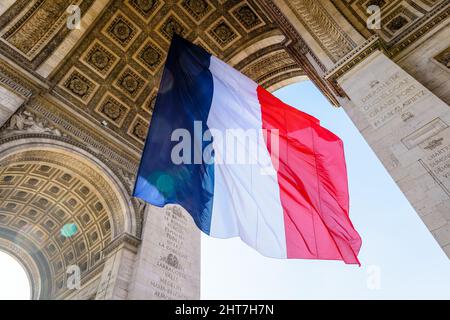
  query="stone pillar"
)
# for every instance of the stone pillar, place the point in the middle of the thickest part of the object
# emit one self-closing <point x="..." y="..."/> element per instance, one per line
<point x="408" y="128"/>
<point x="118" y="268"/>
<point x="168" y="262"/>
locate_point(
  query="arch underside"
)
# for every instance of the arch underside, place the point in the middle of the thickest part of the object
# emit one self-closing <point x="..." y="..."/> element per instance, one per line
<point x="29" y="261"/>
<point x="43" y="188"/>
<point x="76" y="104"/>
<point x="100" y="98"/>
<point x="113" y="73"/>
<point x="69" y="153"/>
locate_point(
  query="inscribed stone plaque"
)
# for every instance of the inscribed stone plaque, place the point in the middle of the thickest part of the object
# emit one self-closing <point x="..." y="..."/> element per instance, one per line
<point x="384" y="91"/>
<point x="168" y="265"/>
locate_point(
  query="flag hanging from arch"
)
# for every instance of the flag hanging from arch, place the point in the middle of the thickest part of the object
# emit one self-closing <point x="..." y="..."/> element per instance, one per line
<point x="244" y="164"/>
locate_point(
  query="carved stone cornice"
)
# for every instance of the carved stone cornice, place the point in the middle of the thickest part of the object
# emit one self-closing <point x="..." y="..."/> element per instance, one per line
<point x="333" y="40"/>
<point x="311" y="72"/>
<point x="354" y="57"/>
<point x="12" y="79"/>
<point x="7" y="81"/>
<point x="427" y="23"/>
<point x="124" y="240"/>
<point x="289" y="30"/>
<point x="391" y="49"/>
<point x="300" y="51"/>
<point x="82" y="132"/>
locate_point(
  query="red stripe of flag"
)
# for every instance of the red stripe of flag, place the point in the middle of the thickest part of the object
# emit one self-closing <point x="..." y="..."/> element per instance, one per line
<point x="312" y="177"/>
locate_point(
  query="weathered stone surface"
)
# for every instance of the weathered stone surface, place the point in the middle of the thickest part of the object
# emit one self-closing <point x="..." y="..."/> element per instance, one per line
<point x="408" y="127"/>
<point x="168" y="262"/>
<point x="77" y="103"/>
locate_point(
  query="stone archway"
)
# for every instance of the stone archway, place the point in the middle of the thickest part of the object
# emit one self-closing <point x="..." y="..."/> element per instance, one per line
<point x="27" y="263"/>
<point x="96" y="87"/>
<point x="46" y="184"/>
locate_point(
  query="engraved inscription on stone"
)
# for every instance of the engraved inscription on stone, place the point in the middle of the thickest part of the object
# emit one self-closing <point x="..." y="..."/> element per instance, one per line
<point x="173" y="263"/>
<point x="424" y="133"/>
<point x="437" y="157"/>
<point x="386" y="92"/>
<point x="389" y="98"/>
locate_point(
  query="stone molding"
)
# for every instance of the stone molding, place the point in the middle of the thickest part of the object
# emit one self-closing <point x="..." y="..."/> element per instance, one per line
<point x="322" y="27"/>
<point x="124" y="240"/>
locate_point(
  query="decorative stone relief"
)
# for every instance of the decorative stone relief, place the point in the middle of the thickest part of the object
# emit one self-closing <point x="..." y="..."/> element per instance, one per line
<point x="277" y="60"/>
<point x="122" y="30"/>
<point x="170" y="25"/>
<point x="26" y="122"/>
<point x="247" y="16"/>
<point x="38" y="198"/>
<point x="37" y="26"/>
<point x="322" y="27"/>
<point x="100" y="59"/>
<point x="397" y="15"/>
<point x="197" y="9"/>
<point x="150" y="56"/>
<point x="138" y="129"/>
<point x="223" y="33"/>
<point x="79" y="86"/>
<point x="145" y="8"/>
<point x="149" y="104"/>
<point x="130" y="83"/>
<point x="111" y="108"/>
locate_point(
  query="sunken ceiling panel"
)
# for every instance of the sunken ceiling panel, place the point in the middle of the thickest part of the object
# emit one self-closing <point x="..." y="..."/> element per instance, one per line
<point x="37" y="198"/>
<point x="113" y="75"/>
<point x="396" y="15"/>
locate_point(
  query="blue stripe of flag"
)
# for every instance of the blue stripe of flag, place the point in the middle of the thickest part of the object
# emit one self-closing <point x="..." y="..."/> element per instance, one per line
<point x="185" y="95"/>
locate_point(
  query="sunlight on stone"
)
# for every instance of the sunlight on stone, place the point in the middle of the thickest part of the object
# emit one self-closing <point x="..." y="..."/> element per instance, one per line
<point x="14" y="284"/>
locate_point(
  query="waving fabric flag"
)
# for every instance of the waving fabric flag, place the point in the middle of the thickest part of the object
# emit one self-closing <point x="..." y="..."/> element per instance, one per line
<point x="245" y="164"/>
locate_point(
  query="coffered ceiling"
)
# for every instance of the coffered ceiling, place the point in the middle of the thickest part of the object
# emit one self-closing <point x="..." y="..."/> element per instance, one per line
<point x="111" y="77"/>
<point x="37" y="198"/>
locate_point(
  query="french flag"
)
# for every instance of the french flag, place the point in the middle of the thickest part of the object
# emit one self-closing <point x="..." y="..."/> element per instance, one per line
<point x="244" y="164"/>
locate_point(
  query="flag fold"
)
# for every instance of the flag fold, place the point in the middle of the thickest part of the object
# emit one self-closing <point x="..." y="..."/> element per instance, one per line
<point x="244" y="164"/>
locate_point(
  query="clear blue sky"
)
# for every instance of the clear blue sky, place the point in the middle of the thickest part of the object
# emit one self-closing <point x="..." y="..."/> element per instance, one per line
<point x="396" y="244"/>
<point x="395" y="241"/>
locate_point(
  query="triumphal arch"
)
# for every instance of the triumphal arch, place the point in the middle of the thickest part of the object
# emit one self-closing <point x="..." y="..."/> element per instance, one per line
<point x="78" y="80"/>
